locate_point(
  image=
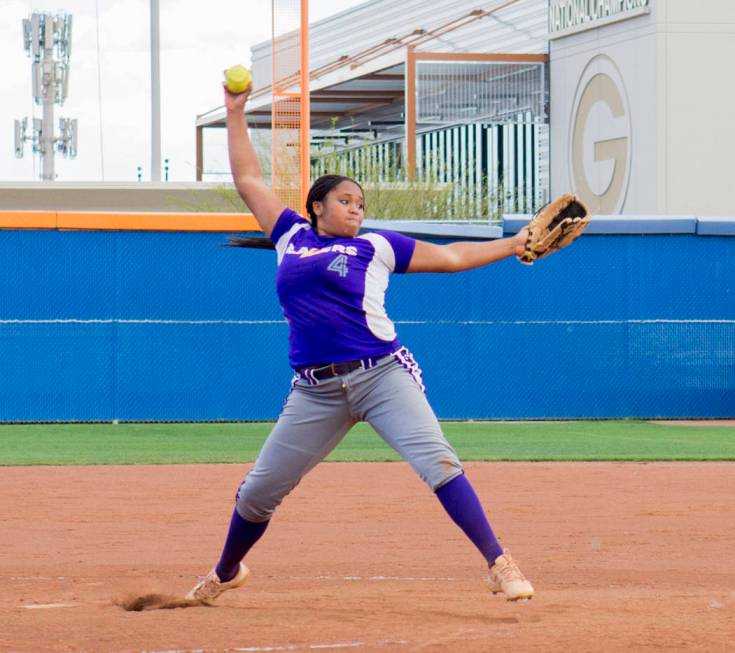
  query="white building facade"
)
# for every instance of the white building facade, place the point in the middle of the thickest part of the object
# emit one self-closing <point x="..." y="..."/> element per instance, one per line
<point x="641" y="104"/>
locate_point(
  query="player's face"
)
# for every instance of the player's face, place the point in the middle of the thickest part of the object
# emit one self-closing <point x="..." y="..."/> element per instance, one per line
<point x="341" y="213"/>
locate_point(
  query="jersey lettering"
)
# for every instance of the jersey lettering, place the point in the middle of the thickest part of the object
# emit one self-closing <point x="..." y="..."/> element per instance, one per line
<point x="339" y="265"/>
<point x="305" y="252"/>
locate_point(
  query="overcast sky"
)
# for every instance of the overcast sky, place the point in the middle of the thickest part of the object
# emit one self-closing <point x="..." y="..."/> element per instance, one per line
<point x="198" y="40"/>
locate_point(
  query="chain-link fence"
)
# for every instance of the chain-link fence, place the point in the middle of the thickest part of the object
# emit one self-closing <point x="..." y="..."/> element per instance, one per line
<point x="171" y="326"/>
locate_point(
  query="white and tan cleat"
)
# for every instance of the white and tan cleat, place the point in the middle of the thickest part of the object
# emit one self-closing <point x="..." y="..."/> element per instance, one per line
<point x="506" y="578"/>
<point x="210" y="587"/>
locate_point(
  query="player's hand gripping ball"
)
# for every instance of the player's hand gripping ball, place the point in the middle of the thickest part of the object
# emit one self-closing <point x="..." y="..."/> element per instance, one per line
<point x="555" y="226"/>
<point x="237" y="79"/>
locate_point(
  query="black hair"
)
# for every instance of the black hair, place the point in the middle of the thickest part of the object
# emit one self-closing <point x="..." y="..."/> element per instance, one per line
<point x="318" y="191"/>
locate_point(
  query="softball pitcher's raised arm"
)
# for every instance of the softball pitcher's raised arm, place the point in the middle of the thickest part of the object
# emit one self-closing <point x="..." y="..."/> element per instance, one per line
<point x="246" y="172"/>
<point x="456" y="257"/>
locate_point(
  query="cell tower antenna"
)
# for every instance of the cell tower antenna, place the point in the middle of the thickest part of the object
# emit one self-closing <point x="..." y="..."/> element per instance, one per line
<point x="47" y="41"/>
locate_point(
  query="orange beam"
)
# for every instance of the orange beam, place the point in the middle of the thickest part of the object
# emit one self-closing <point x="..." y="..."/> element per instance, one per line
<point x="120" y="221"/>
<point x="479" y="56"/>
<point x="305" y="126"/>
<point x="27" y="219"/>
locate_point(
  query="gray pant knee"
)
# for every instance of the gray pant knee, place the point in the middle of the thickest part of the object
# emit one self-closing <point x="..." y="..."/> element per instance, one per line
<point x="458" y="471"/>
<point x="442" y="473"/>
<point x="257" y="504"/>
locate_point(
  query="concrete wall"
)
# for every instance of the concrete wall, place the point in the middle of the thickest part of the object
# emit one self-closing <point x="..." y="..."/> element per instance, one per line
<point x="121" y="196"/>
<point x="696" y="127"/>
<point x="612" y="163"/>
<point x="667" y="148"/>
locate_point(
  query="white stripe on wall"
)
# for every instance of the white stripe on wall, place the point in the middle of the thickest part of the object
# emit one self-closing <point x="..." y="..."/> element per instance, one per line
<point x="423" y="322"/>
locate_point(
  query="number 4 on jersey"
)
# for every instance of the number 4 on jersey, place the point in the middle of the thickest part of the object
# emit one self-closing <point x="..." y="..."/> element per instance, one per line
<point x="339" y="265"/>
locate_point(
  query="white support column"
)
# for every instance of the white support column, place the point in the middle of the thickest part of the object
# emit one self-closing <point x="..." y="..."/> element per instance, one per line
<point x="155" y="93"/>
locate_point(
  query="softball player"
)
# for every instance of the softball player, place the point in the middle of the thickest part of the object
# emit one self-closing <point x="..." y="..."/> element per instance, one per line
<point x="349" y="365"/>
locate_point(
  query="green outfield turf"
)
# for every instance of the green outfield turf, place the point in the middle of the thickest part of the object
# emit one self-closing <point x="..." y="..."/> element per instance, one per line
<point x="133" y="444"/>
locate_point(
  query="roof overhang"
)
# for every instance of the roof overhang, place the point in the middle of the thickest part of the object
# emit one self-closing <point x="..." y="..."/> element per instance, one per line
<point x="349" y="98"/>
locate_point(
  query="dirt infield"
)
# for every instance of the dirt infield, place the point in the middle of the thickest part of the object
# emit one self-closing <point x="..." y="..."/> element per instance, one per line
<point x="624" y="557"/>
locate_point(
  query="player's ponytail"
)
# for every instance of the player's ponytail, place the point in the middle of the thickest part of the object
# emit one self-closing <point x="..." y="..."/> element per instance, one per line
<point x="317" y="193"/>
<point x="319" y="190"/>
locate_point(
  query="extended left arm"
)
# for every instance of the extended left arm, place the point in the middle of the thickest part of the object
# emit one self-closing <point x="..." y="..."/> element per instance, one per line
<point x="456" y="257"/>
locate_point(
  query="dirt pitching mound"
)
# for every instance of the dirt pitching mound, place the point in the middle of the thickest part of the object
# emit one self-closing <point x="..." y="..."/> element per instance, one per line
<point x="155" y="602"/>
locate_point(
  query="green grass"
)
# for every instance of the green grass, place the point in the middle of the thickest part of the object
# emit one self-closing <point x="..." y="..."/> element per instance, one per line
<point x="133" y="444"/>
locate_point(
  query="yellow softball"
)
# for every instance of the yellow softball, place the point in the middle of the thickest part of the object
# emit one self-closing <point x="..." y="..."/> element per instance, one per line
<point x="237" y="78"/>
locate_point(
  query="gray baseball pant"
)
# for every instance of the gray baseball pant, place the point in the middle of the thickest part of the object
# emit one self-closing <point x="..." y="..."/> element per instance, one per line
<point x="317" y="415"/>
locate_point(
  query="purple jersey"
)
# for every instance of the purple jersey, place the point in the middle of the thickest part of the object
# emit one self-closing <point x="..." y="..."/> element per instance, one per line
<point x="332" y="291"/>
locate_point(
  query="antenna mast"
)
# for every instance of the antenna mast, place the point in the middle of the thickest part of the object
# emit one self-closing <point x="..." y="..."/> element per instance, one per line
<point x="47" y="41"/>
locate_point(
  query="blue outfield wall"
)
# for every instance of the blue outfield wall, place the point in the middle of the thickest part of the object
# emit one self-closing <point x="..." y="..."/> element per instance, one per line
<point x="171" y="326"/>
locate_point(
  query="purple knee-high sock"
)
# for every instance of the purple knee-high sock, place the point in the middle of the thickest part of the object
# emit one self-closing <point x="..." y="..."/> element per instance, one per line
<point x="463" y="505"/>
<point x="240" y="538"/>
